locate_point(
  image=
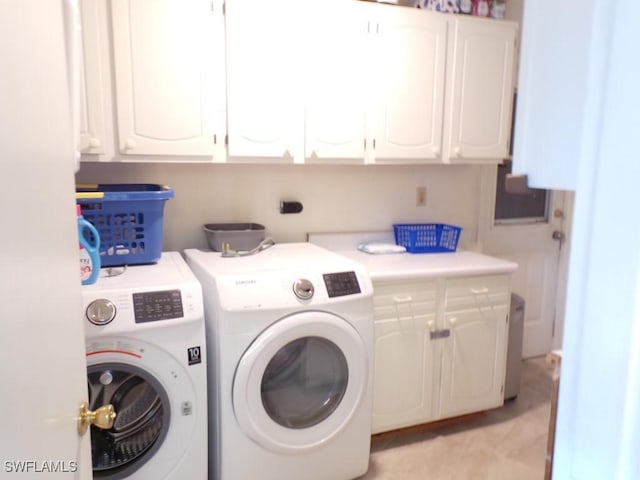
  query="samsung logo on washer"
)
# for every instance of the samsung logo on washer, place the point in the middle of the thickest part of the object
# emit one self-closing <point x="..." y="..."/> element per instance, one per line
<point x="250" y="281"/>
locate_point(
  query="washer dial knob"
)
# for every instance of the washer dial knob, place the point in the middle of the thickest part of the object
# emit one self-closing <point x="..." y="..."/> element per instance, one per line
<point x="101" y="311"/>
<point x="303" y="289"/>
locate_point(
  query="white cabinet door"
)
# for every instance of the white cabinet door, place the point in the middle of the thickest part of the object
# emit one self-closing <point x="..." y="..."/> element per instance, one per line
<point x="474" y="354"/>
<point x="409" y="74"/>
<point x="405" y="358"/>
<point x="440" y="349"/>
<point x="337" y="83"/>
<point x="480" y="90"/>
<point x="92" y="124"/>
<point x="167" y="54"/>
<point x="265" y="116"/>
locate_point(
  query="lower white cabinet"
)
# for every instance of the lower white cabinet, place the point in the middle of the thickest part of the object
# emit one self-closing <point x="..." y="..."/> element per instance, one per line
<point x="405" y="357"/>
<point x="440" y="348"/>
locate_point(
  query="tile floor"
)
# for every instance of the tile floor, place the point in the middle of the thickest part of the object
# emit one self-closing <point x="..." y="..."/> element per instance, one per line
<point x="506" y="443"/>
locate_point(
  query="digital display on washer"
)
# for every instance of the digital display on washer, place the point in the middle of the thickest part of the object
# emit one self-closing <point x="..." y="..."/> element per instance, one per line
<point x="153" y="306"/>
<point x="340" y="284"/>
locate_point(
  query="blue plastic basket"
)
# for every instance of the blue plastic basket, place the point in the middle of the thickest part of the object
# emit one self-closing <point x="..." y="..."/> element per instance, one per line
<point x="427" y="237"/>
<point x="129" y="219"/>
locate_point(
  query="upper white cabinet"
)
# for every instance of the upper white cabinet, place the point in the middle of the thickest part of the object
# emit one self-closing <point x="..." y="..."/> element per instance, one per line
<point x="295" y="90"/>
<point x="264" y="84"/>
<point x="444" y="87"/>
<point x="325" y="81"/>
<point x="337" y="84"/>
<point x="366" y="82"/>
<point x="409" y="58"/>
<point x="480" y="87"/>
<point x="92" y="118"/>
<point x="168" y="59"/>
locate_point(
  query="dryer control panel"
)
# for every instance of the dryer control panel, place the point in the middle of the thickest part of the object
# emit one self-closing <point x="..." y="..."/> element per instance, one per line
<point x="342" y="283"/>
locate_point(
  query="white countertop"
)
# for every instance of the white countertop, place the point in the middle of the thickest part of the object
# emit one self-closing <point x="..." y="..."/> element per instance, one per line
<point x="402" y="266"/>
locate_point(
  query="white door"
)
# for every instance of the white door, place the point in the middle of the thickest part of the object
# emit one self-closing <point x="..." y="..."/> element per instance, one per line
<point x="541" y="259"/>
<point x="42" y="361"/>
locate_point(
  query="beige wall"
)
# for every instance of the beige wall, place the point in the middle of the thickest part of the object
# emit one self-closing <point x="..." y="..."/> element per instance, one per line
<point x="335" y="198"/>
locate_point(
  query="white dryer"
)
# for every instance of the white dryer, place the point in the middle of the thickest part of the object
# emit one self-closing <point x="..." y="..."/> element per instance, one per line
<point x="290" y="335"/>
<point x="145" y="346"/>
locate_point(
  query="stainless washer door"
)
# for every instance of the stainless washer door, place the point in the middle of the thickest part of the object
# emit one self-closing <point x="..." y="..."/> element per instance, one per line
<point x="299" y="383"/>
<point x="142" y="420"/>
<point x="156" y="408"/>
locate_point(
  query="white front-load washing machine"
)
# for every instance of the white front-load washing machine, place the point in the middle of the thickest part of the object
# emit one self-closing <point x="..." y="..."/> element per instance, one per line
<point x="146" y="356"/>
<point x="290" y="335"/>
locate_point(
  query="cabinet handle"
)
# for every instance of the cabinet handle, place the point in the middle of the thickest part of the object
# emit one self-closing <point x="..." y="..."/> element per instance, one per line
<point x="479" y="291"/>
<point x="436" y="150"/>
<point x="457" y="151"/>
<point x="94" y="142"/>
<point x="453" y="320"/>
<point x="431" y="325"/>
<point x="438" y="334"/>
<point x="405" y="299"/>
<point x="129" y="144"/>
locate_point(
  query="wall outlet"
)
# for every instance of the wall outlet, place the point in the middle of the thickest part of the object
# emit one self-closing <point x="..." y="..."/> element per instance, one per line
<point x="421" y="196"/>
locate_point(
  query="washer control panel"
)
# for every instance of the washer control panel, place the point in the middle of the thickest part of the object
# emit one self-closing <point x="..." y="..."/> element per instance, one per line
<point x="153" y="306"/>
<point x="342" y="283"/>
<point x="145" y="307"/>
<point x="101" y="311"/>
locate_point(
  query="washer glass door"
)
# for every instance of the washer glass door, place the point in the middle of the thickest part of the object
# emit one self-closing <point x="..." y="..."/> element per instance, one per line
<point x="141" y="422"/>
<point x="300" y="382"/>
<point x="157" y="408"/>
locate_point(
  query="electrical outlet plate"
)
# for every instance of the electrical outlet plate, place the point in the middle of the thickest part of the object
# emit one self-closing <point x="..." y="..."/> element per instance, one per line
<point x="421" y="196"/>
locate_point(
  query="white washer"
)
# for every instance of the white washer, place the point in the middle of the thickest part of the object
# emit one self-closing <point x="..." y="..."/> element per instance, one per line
<point x="290" y="332"/>
<point x="145" y="344"/>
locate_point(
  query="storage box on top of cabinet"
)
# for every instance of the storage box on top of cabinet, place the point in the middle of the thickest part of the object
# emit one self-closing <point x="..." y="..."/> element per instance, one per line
<point x="129" y="220"/>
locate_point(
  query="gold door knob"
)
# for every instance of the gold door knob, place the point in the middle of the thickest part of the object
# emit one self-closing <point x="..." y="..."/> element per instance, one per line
<point x="102" y="418"/>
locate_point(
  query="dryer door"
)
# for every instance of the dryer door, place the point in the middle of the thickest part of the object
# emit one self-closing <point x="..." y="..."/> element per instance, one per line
<point x="299" y="383"/>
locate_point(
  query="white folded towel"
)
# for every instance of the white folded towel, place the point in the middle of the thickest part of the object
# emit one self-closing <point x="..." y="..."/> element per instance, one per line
<point x="378" y="248"/>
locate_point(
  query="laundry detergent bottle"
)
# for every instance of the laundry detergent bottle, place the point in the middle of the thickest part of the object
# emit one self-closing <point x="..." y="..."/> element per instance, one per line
<point x="89" y="240"/>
